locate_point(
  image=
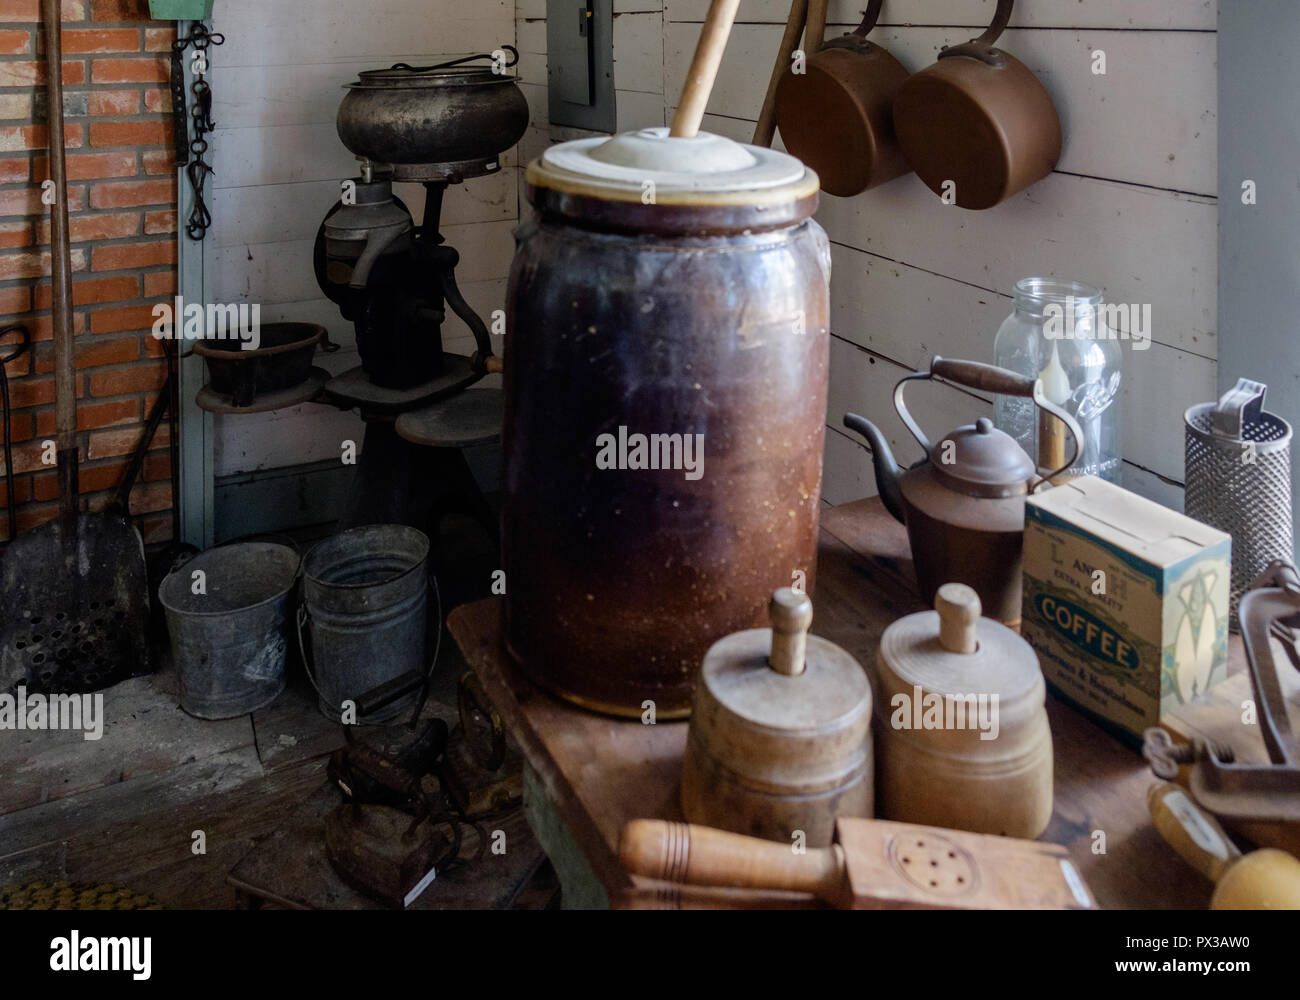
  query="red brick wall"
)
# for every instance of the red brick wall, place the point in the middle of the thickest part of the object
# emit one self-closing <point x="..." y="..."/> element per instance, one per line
<point x="122" y="205"/>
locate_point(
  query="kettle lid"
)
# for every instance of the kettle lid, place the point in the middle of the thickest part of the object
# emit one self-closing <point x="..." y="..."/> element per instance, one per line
<point x="981" y="461"/>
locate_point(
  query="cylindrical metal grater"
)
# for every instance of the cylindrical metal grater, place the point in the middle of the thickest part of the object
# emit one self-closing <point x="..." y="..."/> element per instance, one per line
<point x="1238" y="474"/>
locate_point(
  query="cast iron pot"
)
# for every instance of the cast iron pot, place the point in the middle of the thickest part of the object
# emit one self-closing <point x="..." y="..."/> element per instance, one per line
<point x="281" y="361"/>
<point x="434" y="114"/>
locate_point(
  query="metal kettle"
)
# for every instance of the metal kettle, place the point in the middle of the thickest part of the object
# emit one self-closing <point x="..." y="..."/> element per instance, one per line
<point x="964" y="503"/>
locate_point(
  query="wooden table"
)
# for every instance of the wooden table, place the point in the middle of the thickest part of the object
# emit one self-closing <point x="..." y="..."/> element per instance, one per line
<point x="588" y="774"/>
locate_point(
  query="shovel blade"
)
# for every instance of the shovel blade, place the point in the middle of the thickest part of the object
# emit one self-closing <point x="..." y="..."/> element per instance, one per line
<point x="74" y="606"/>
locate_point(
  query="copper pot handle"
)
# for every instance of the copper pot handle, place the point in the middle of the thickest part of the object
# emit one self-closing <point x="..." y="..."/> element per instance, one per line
<point x="869" y="18"/>
<point x="981" y="48"/>
<point x="990" y="378"/>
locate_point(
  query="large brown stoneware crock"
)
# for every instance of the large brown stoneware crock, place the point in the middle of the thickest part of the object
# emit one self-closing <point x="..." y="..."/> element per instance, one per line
<point x="667" y="286"/>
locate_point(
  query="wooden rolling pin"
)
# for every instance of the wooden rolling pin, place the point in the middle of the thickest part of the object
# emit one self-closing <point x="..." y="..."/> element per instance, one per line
<point x="1267" y="879"/>
<point x="874" y="864"/>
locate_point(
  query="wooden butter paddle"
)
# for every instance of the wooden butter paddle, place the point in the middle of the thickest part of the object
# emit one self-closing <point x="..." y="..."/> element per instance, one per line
<point x="873" y="865"/>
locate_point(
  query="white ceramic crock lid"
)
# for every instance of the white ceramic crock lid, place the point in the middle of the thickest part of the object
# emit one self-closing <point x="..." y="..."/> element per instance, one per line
<point x="701" y="169"/>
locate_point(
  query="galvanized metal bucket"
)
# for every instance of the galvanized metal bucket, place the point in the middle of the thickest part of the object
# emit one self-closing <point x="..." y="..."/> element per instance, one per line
<point x="364" y="605"/>
<point x="230" y="626"/>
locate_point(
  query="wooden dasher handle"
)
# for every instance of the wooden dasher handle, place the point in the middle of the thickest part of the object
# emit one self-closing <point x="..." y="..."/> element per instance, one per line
<point x="701" y="855"/>
<point x="704" y="68"/>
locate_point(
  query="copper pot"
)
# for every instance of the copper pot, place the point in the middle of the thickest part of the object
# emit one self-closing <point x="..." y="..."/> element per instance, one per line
<point x="837" y="115"/>
<point x="978" y="125"/>
<point x="964" y="503"/>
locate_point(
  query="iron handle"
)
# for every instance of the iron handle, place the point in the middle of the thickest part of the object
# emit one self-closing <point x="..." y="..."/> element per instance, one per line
<point x="981" y="48"/>
<point x="869" y="18"/>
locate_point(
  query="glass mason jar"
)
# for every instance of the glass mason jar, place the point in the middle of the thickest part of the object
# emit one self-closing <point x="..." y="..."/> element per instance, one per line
<point x="1057" y="332"/>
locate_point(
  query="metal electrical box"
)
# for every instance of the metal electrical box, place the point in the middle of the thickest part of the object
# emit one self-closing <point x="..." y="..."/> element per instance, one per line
<point x="580" y="63"/>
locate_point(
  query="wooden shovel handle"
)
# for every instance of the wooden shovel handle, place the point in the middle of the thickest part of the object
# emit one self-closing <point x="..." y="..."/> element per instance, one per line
<point x="1194" y="834"/>
<point x="65" y="409"/>
<point x="704" y="68"/>
<point x="701" y="855"/>
<point x="765" y="129"/>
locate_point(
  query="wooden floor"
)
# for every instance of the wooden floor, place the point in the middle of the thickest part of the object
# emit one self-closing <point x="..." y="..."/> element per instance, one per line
<point x="124" y="809"/>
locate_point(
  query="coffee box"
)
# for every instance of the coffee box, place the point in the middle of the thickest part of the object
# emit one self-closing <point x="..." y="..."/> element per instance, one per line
<point x="1125" y="602"/>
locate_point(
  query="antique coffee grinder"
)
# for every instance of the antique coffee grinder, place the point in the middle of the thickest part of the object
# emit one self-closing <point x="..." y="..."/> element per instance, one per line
<point x="394" y="280"/>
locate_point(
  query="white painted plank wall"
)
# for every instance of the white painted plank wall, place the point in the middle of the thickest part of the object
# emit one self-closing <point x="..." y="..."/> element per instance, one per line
<point x="277" y="84"/>
<point x="1131" y="209"/>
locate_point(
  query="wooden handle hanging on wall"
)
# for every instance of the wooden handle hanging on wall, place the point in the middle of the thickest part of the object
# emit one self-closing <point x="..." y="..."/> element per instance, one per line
<point x="704" y="68"/>
<point x="65" y="392"/>
<point x="815" y="32"/>
<point x="766" y="127"/>
<point x="701" y="855"/>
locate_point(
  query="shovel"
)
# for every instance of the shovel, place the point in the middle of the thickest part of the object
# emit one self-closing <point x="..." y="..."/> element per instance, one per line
<point x="74" y="597"/>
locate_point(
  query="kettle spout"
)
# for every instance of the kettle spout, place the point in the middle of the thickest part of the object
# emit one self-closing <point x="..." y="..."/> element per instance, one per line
<point x="887" y="471"/>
